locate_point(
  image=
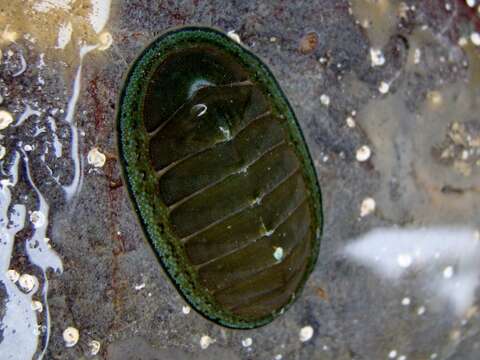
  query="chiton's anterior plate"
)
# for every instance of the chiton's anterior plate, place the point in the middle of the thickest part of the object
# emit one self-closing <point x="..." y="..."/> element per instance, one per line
<point x="219" y="175"/>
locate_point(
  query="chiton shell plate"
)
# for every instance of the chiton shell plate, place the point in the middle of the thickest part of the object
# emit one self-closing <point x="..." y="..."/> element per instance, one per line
<point x="219" y="175"/>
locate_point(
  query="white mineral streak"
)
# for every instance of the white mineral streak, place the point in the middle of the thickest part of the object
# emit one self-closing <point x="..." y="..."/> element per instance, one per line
<point x="48" y="5"/>
<point x="99" y="15"/>
<point x="19" y="319"/>
<point x="75" y="185"/>
<point x="23" y="66"/>
<point x="64" y="35"/>
<point x="26" y="114"/>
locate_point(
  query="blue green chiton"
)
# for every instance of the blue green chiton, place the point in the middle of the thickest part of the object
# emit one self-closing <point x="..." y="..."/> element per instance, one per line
<point x="219" y="175"/>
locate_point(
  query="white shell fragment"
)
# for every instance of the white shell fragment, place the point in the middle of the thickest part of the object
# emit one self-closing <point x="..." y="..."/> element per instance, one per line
<point x="305" y="333"/>
<point x="367" y="207"/>
<point x="350" y="122"/>
<point x="3" y="151"/>
<point x="5" y="119"/>
<point x="376" y="56"/>
<point x="96" y="158"/>
<point x="363" y="153"/>
<point x="71" y="336"/>
<point x="206" y="341"/>
<point x="186" y="309"/>
<point x="325" y="99"/>
<point x="384" y="87"/>
<point x="234" y="36"/>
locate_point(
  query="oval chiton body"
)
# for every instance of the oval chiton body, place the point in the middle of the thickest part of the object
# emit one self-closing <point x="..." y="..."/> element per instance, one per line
<point x="219" y="175"/>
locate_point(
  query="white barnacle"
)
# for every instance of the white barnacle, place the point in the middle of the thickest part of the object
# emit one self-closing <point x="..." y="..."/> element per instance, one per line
<point x="105" y="41"/>
<point x="96" y="158"/>
<point x="363" y="153"/>
<point x="305" y="333"/>
<point x="13" y="275"/>
<point x="5" y="119"/>
<point x="206" y="341"/>
<point x="247" y="342"/>
<point x="94" y="346"/>
<point x="27" y="282"/>
<point x="71" y="336"/>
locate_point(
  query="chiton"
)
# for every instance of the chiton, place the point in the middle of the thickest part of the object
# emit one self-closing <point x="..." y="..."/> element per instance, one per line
<point x="219" y="175"/>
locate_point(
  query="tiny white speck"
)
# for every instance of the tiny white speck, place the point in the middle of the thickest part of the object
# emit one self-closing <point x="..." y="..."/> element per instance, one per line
<point x="416" y="56"/>
<point x="406" y="301"/>
<point x="28" y="148"/>
<point x="247" y="342"/>
<point x="306" y="333"/>
<point x="206" y="341"/>
<point x="278" y="357"/>
<point x="367" y="207"/>
<point x="186" y="309"/>
<point x="448" y="6"/>
<point x="471" y="3"/>
<point x="363" y="153"/>
<point x="278" y="253"/>
<point x="325" y="99"/>
<point x="475" y="38"/>
<point x="96" y="158"/>
<point x="392" y="354"/>
<point x="433" y="356"/>
<point x="404" y="260"/>
<point x="5" y="119"/>
<point x="140" y="286"/>
<point x="377" y="57"/>
<point x="403" y="357"/>
<point x="384" y="87"/>
<point x="448" y="272"/>
<point x="421" y="310"/>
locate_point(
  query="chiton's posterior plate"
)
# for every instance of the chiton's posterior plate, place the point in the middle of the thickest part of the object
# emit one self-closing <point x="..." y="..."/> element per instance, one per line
<point x="219" y="175"/>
